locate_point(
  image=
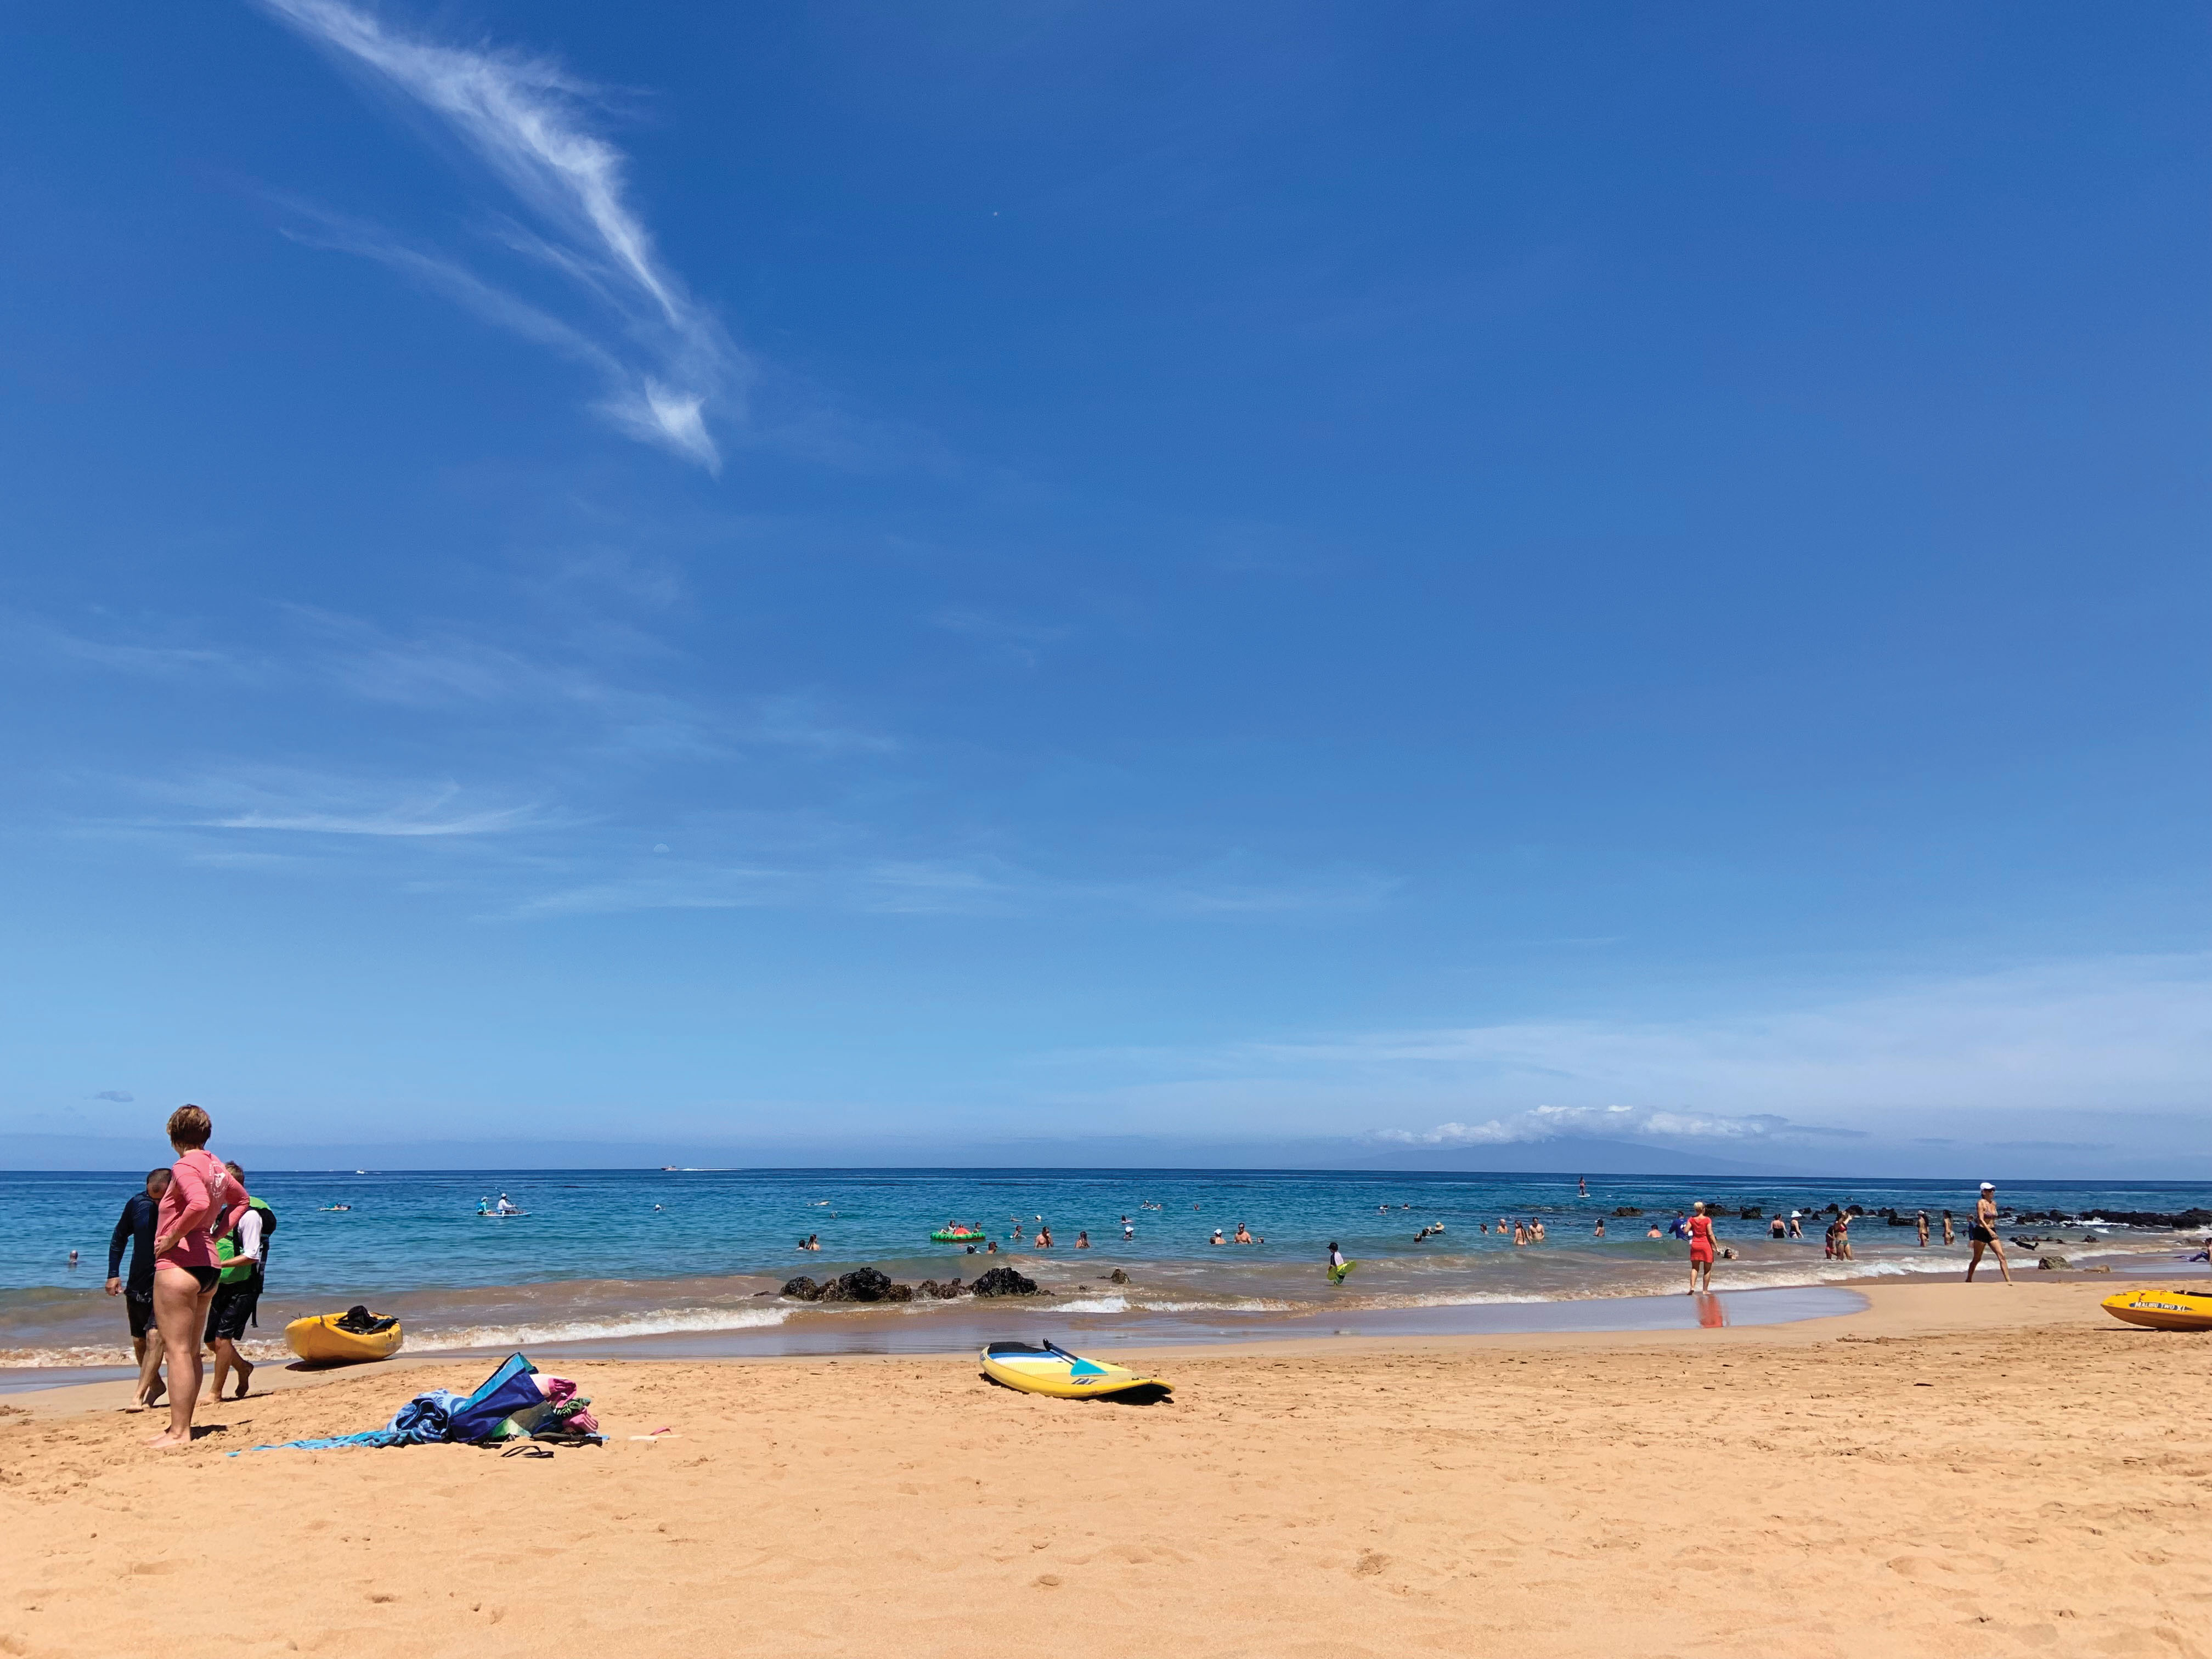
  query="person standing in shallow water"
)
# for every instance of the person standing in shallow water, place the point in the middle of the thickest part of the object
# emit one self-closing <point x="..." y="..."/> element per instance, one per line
<point x="1700" y="1228"/>
<point x="1924" y="1230"/>
<point x="201" y="1201"/>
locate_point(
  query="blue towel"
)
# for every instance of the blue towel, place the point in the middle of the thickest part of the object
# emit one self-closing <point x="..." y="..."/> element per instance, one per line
<point x="441" y="1415"/>
<point x="425" y="1420"/>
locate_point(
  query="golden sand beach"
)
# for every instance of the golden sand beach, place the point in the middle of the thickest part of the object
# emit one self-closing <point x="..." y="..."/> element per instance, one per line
<point x="1960" y="1470"/>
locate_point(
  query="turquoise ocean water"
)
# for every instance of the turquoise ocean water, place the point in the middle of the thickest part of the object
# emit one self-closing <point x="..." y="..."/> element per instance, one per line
<point x="692" y="1260"/>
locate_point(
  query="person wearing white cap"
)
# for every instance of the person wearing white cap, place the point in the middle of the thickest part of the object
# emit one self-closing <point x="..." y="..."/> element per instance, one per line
<point x="1983" y="1233"/>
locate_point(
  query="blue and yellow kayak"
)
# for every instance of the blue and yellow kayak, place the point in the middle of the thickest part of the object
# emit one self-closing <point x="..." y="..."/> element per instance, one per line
<point x="1047" y="1368"/>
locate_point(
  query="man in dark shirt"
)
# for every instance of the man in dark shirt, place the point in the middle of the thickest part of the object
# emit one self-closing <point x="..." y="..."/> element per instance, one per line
<point x="135" y="1227"/>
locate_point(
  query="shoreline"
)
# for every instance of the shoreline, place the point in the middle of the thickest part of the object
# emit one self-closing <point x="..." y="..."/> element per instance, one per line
<point x="706" y="1319"/>
<point x="1886" y="1309"/>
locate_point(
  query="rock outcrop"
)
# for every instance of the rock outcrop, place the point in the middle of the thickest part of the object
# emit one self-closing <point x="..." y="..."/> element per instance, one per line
<point x="861" y="1284"/>
<point x="1002" y="1281"/>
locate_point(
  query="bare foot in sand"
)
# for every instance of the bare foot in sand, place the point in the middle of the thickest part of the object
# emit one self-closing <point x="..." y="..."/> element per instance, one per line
<point x="165" y="1441"/>
<point x="244" y="1376"/>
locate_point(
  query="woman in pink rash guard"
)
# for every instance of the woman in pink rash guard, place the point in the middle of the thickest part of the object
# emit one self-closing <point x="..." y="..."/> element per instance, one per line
<point x="202" y="1202"/>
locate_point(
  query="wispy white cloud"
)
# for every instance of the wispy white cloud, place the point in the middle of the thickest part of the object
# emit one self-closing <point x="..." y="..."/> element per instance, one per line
<point x="2039" y="1047"/>
<point x="666" y="360"/>
<point x="837" y="878"/>
<point x="274" y="799"/>
<point x="2100" y="1030"/>
<point x="1603" y="1122"/>
<point x="1022" y="640"/>
<point x="34" y="636"/>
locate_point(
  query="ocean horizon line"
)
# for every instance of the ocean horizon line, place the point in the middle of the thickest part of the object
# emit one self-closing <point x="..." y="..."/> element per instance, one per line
<point x="1303" y="1171"/>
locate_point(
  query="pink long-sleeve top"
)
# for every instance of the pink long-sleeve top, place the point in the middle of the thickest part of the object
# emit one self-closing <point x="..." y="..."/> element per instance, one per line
<point x="203" y="1201"/>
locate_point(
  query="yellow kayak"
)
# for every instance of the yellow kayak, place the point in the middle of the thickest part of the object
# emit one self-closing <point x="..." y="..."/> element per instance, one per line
<point x="2163" y="1310"/>
<point x="320" y="1338"/>
<point x="1053" y="1370"/>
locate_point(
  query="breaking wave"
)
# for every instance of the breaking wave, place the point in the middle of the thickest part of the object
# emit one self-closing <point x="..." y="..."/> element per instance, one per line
<point x="660" y="1321"/>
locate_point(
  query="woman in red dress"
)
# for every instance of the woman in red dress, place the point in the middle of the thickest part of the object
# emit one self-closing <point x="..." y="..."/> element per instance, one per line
<point x="1701" y="1249"/>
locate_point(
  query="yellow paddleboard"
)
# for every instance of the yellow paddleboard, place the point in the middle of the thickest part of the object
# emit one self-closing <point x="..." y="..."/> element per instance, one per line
<point x="1064" y="1375"/>
<point x="317" y="1340"/>
<point x="2163" y="1310"/>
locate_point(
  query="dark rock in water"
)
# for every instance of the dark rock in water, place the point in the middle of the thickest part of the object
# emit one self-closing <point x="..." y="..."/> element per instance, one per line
<point x="1627" y="1209"/>
<point x="1751" y="1212"/>
<point x="866" y="1285"/>
<point x="1897" y="1221"/>
<point x="1002" y="1281"/>
<point x="2090" y="1238"/>
<point x="1855" y="1209"/>
<point x="2050" y="1261"/>
<point x="1118" y="1277"/>
<point x="805" y="1289"/>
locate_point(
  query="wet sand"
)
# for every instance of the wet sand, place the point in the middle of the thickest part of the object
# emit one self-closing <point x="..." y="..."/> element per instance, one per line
<point x="1961" y="1470"/>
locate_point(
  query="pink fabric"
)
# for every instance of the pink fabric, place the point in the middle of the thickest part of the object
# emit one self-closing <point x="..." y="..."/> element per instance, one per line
<point x="202" y="1202"/>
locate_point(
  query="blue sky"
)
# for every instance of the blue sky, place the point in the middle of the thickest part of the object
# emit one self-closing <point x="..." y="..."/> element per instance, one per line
<point x="946" y="582"/>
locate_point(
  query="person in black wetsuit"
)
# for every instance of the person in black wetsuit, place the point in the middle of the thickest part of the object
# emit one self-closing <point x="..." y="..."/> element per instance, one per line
<point x="135" y="1227"/>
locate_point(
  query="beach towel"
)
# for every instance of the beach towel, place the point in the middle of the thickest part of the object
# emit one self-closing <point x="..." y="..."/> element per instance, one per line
<point x="425" y="1420"/>
<point x="441" y="1415"/>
